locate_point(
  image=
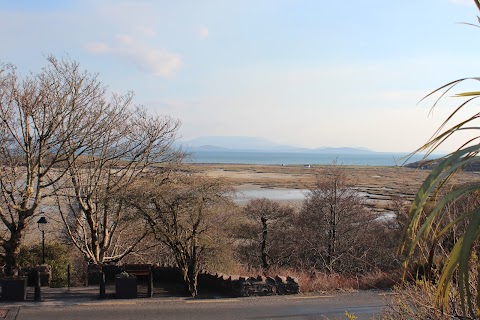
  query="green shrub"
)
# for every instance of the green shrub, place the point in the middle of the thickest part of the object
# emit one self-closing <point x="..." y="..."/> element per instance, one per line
<point x="56" y="255"/>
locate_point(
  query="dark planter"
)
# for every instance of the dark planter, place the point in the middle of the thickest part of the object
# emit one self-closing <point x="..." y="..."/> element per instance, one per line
<point x="126" y="288"/>
<point x="14" y="289"/>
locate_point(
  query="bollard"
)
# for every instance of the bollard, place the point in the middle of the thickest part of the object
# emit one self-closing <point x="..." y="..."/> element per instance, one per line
<point x="85" y="275"/>
<point x="102" y="285"/>
<point x="68" y="277"/>
<point x="37" y="295"/>
<point x="150" y="284"/>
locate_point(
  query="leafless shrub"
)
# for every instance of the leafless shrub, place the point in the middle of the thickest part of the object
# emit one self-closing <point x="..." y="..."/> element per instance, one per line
<point x="264" y="238"/>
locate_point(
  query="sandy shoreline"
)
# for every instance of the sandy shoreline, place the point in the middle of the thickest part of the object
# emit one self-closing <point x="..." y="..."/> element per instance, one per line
<point x="379" y="184"/>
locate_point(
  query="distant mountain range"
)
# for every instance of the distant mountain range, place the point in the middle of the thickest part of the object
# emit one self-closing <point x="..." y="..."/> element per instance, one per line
<point x="253" y="144"/>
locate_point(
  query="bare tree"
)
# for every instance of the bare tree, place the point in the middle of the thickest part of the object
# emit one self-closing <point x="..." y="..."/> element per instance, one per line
<point x="266" y="232"/>
<point x="89" y="200"/>
<point x="45" y="120"/>
<point x="332" y="220"/>
<point x="187" y="214"/>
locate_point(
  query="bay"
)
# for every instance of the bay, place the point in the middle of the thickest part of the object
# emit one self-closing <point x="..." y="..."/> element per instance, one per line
<point x="301" y="158"/>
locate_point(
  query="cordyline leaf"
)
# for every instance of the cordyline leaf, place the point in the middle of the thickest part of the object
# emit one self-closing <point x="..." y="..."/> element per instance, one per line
<point x="447" y="88"/>
<point x="439" y="137"/>
<point x="462" y="252"/>
<point x="436" y="140"/>
<point x="468" y="94"/>
<point x="459" y="259"/>
<point x="451" y="197"/>
<point x="443" y="289"/>
<point x="477" y="3"/>
<point x="444" y="169"/>
<point x="461" y="218"/>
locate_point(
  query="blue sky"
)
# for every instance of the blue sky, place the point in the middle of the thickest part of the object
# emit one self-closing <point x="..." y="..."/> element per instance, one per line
<point x="308" y="73"/>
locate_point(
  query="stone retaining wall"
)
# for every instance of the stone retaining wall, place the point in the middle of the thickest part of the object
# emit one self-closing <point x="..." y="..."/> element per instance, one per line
<point x="237" y="286"/>
<point x="249" y="286"/>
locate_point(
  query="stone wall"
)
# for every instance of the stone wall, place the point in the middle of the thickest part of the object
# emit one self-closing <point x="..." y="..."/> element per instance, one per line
<point x="240" y="286"/>
<point x="231" y="285"/>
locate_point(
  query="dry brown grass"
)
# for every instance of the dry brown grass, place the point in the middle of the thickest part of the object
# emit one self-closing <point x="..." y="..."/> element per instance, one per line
<point x="320" y="282"/>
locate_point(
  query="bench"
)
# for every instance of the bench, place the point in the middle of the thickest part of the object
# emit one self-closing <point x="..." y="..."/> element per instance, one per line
<point x="138" y="269"/>
<point x="141" y="270"/>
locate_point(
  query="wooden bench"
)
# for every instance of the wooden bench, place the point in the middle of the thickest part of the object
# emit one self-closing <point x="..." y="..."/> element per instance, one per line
<point x="138" y="269"/>
<point x="142" y="270"/>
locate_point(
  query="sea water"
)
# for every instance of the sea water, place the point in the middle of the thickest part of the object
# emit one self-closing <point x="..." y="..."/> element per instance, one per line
<point x="243" y="195"/>
<point x="302" y="158"/>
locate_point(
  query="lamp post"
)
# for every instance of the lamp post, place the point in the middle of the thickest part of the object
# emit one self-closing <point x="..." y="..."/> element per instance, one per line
<point x="41" y="226"/>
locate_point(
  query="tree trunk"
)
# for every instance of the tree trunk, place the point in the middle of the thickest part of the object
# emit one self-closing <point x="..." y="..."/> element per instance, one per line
<point x="332" y="235"/>
<point x="263" y="248"/>
<point x="12" y="247"/>
<point x="190" y="280"/>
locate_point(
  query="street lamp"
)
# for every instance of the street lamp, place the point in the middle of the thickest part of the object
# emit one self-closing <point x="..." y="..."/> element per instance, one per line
<point x="41" y="226"/>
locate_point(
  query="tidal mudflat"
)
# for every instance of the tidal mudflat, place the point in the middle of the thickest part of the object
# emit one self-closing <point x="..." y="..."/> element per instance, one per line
<point x="288" y="183"/>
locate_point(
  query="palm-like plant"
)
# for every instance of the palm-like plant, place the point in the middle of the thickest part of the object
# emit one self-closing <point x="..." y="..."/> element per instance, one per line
<point x="462" y="258"/>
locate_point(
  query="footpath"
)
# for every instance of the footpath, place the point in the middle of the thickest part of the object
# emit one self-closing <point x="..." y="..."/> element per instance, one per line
<point x="58" y="297"/>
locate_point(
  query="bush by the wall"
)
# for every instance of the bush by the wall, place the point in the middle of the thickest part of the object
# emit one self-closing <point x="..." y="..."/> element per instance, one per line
<point x="56" y="255"/>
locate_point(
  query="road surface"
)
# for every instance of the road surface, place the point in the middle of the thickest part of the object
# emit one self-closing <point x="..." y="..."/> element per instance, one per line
<point x="363" y="304"/>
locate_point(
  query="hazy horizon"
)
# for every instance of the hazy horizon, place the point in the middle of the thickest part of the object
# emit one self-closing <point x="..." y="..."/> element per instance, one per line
<point x="246" y="143"/>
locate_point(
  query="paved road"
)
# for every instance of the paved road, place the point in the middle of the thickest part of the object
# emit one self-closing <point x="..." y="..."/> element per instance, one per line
<point x="362" y="304"/>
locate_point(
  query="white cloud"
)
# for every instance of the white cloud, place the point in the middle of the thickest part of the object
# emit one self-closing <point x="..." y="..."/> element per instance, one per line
<point x="97" y="47"/>
<point x="203" y="32"/>
<point x="124" y="39"/>
<point x="157" y="61"/>
<point x="147" y="31"/>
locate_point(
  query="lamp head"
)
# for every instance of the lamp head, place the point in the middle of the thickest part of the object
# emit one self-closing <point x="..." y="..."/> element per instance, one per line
<point x="41" y="223"/>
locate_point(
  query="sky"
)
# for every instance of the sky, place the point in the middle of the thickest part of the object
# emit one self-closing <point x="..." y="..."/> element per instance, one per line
<point x="306" y="73"/>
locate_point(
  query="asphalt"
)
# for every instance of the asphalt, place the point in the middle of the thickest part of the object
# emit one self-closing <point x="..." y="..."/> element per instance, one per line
<point x="86" y="299"/>
<point x="80" y="296"/>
